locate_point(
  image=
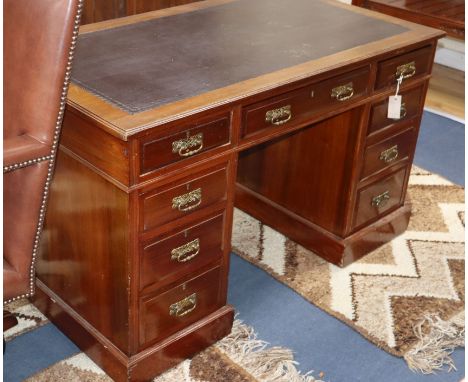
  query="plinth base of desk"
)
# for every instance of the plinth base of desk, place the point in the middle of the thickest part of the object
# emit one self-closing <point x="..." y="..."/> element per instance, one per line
<point x="337" y="250"/>
<point x="145" y="365"/>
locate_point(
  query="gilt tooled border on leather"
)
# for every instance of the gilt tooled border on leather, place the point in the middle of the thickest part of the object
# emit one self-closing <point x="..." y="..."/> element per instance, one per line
<point x="51" y="156"/>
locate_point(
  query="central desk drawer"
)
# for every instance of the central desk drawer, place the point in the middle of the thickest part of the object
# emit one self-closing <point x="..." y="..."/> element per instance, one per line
<point x="185" y="142"/>
<point x="162" y="206"/>
<point x="182" y="253"/>
<point x="307" y="102"/>
<point x="165" y="314"/>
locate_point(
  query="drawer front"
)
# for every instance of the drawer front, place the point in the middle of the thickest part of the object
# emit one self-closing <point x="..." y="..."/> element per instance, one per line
<point x="410" y="65"/>
<point x="411" y="105"/>
<point x="182" y="253"/>
<point x="383" y="154"/>
<point x="179" y="307"/>
<point x="380" y="197"/>
<point x="304" y="103"/>
<point x="162" y="151"/>
<point x="162" y="206"/>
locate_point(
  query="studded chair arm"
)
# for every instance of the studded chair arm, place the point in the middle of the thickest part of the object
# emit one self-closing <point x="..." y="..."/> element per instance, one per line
<point x="22" y="151"/>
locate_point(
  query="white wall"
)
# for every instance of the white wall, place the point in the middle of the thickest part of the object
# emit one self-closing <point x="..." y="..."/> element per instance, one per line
<point x="450" y="52"/>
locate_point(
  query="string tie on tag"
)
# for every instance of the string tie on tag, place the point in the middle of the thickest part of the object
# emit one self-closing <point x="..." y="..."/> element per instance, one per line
<point x="399" y="81"/>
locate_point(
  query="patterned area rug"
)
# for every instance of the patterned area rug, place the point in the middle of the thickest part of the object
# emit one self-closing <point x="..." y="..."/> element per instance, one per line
<point x="240" y="357"/>
<point x="406" y="297"/>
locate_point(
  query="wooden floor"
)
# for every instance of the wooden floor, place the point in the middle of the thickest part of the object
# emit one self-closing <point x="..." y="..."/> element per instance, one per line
<point x="447" y="91"/>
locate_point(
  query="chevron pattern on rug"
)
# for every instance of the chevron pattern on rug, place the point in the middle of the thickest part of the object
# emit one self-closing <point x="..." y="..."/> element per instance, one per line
<point x="385" y="295"/>
<point x="239" y="357"/>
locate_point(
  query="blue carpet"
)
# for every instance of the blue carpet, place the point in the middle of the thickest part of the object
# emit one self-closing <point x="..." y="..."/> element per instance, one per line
<point x="31" y="352"/>
<point x="320" y="342"/>
<point x="441" y="147"/>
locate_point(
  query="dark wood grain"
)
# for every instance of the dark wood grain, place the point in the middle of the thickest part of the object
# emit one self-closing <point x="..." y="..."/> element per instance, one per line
<point x="411" y="99"/>
<point x="448" y="15"/>
<point x="156" y="152"/>
<point x="84" y="249"/>
<point x="140" y="6"/>
<point x="100" y="10"/>
<point x="160" y="264"/>
<point x="156" y="320"/>
<point x="366" y="208"/>
<point x="105" y="152"/>
<point x="388" y="152"/>
<point x="307" y="102"/>
<point x="307" y="172"/>
<point x="157" y="206"/>
<point x="336" y="250"/>
<point x="147" y="364"/>
<point x="113" y="227"/>
<point x="386" y="72"/>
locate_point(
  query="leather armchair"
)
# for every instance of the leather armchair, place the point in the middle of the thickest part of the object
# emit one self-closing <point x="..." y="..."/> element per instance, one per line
<point x="39" y="39"/>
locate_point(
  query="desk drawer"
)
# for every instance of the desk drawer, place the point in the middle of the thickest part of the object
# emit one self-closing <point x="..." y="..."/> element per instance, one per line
<point x="182" y="253"/>
<point x="411" y="65"/>
<point x="380" y="197"/>
<point x="392" y="150"/>
<point x="166" y="313"/>
<point x="304" y="103"/>
<point x="411" y="107"/>
<point x="161" y="206"/>
<point x="187" y="142"/>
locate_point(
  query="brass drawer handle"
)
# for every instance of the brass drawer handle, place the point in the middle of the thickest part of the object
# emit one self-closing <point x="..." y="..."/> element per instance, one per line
<point x="186" y="252"/>
<point x="403" y="110"/>
<point x="381" y="200"/>
<point x="187" y="202"/>
<point x="184" y="307"/>
<point x="343" y="93"/>
<point x="389" y="155"/>
<point x="406" y="71"/>
<point x="279" y="116"/>
<point x="188" y="146"/>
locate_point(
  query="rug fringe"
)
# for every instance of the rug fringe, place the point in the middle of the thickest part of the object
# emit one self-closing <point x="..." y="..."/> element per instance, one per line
<point x="437" y="339"/>
<point x="274" y="364"/>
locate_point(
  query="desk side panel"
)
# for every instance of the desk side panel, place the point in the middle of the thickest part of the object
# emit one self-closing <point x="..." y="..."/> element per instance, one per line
<point x="84" y="256"/>
<point x="91" y="143"/>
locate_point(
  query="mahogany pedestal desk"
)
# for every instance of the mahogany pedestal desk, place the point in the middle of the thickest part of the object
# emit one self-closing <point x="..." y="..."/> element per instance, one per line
<point x="174" y="116"/>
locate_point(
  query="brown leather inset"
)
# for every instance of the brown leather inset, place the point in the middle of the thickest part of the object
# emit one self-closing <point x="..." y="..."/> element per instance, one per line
<point x="148" y="64"/>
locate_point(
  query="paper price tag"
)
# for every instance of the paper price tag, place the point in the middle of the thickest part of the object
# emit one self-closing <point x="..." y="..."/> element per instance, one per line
<point x="394" y="107"/>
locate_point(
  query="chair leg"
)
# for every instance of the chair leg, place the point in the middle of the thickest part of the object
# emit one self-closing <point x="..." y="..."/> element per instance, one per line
<point x="9" y="320"/>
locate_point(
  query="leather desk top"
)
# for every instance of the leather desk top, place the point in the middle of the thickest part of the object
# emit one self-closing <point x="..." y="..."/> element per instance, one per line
<point x="140" y="66"/>
<point x="168" y="64"/>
